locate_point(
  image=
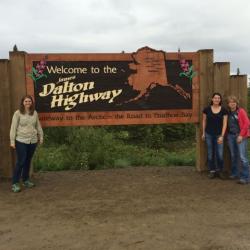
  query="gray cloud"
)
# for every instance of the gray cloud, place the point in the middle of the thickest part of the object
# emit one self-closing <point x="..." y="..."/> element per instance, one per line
<point x="116" y="25"/>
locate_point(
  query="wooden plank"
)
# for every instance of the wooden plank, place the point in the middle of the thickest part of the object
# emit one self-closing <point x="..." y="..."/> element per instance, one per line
<point x="18" y="78"/>
<point x="222" y="85"/>
<point x="17" y="82"/>
<point x="6" y="162"/>
<point x="113" y="118"/>
<point x="221" y="79"/>
<point x="238" y="88"/>
<point x="206" y="90"/>
<point x="234" y="86"/>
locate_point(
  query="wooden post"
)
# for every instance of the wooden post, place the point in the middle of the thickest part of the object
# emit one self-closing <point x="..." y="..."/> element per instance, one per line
<point x="221" y="85"/>
<point x="12" y="88"/>
<point x="18" y="78"/>
<point x="221" y="79"/>
<point x="238" y="88"/>
<point x="206" y="90"/>
<point x="6" y="162"/>
<point x="18" y="81"/>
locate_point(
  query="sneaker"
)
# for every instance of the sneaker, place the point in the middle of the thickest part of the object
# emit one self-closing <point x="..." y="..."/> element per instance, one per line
<point x="16" y="188"/>
<point x="242" y="181"/>
<point x="211" y="175"/>
<point x="28" y="184"/>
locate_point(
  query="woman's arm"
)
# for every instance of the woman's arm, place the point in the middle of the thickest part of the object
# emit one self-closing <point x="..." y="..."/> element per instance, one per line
<point x="39" y="130"/>
<point x="224" y="127"/>
<point x="13" y="128"/>
<point x="204" y="124"/>
<point x="243" y="122"/>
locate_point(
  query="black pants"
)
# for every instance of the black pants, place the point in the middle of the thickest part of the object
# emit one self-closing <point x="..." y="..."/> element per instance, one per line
<point x="24" y="154"/>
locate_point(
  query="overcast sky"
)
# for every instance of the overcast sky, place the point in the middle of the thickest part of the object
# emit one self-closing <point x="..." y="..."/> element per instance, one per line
<point x="114" y="25"/>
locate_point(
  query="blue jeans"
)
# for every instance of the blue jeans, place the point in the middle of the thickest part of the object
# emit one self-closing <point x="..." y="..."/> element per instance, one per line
<point x="214" y="153"/>
<point x="24" y="153"/>
<point x="238" y="152"/>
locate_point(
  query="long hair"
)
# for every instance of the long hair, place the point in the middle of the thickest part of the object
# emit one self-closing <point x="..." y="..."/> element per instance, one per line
<point x="22" y="108"/>
<point x="214" y="94"/>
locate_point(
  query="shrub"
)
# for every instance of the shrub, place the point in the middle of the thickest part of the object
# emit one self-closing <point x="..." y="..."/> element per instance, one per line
<point x="109" y="147"/>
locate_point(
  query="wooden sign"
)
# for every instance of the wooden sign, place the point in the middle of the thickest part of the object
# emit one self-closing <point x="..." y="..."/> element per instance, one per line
<point x="145" y="87"/>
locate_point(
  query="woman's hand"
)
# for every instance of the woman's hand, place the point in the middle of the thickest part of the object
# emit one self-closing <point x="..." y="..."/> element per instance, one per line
<point x="203" y="137"/>
<point x="13" y="146"/>
<point x="40" y="141"/>
<point x="239" y="139"/>
<point x="220" y="140"/>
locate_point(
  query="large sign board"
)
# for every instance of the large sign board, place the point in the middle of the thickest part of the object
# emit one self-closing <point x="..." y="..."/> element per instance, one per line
<point x="145" y="87"/>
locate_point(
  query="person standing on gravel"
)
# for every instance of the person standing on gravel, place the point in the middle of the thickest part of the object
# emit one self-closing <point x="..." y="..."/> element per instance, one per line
<point x="238" y="133"/>
<point x="25" y="133"/>
<point x="214" y="125"/>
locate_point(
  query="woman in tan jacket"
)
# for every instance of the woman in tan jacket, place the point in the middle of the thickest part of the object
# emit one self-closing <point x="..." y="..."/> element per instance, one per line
<point x="25" y="133"/>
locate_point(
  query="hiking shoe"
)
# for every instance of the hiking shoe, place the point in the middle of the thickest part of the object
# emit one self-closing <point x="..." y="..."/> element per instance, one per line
<point x="242" y="181"/>
<point x="211" y="175"/>
<point x="16" y="188"/>
<point x="28" y="184"/>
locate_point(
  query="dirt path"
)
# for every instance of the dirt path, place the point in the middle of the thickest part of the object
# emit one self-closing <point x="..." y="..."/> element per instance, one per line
<point x="135" y="208"/>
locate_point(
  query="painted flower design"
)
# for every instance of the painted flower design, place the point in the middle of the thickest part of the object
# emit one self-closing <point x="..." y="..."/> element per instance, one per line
<point x="38" y="71"/>
<point x="187" y="70"/>
<point x="40" y="67"/>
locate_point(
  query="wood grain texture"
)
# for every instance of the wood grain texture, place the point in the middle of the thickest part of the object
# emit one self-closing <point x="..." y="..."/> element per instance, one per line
<point x="6" y="162"/>
<point x="206" y="90"/>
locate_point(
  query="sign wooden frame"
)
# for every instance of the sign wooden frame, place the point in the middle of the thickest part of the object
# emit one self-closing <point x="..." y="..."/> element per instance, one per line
<point x="121" y="117"/>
